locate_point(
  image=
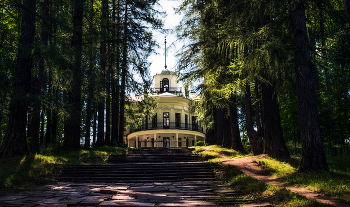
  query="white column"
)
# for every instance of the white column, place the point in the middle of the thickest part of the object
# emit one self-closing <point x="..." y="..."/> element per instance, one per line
<point x="172" y="117"/>
<point x="195" y="139"/>
<point x="177" y="139"/>
<point x="137" y="142"/>
<point x="155" y="139"/>
<point x="182" y="118"/>
<point x="127" y="140"/>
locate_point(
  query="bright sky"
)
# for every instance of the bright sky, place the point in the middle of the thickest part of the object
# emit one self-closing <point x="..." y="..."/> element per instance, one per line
<point x="170" y="22"/>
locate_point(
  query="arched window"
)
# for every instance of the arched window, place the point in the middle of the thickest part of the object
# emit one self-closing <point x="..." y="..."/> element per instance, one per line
<point x="164" y="85"/>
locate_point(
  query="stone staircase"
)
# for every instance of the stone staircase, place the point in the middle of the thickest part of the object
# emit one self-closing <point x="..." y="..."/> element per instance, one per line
<point x="145" y="177"/>
<point x="146" y="165"/>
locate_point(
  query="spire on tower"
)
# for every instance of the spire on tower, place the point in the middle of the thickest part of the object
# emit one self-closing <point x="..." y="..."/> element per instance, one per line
<point x="165" y="54"/>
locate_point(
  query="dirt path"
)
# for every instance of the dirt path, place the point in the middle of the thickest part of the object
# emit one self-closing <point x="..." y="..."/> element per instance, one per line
<point x="248" y="167"/>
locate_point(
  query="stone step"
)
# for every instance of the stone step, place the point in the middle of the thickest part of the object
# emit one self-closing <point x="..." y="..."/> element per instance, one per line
<point x="151" y="158"/>
<point x="141" y="166"/>
<point x="196" y="175"/>
<point x="172" y="150"/>
<point x="187" y="171"/>
<point x="138" y="171"/>
<point x="145" y="165"/>
<point x="146" y="179"/>
<point x="164" y="176"/>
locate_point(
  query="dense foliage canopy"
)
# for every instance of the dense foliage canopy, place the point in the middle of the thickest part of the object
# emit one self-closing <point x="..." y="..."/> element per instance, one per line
<point x="294" y="55"/>
<point x="64" y="63"/>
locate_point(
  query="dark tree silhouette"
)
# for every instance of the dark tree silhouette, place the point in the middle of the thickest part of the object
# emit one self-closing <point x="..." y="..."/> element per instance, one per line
<point x="313" y="155"/>
<point x="15" y="142"/>
<point x="73" y="119"/>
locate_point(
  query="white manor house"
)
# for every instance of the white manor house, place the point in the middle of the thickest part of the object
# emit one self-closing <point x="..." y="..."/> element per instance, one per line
<point x="173" y="124"/>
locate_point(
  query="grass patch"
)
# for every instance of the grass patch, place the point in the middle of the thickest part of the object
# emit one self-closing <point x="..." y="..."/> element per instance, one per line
<point x="31" y="170"/>
<point x="252" y="190"/>
<point x="277" y="168"/>
<point x="335" y="183"/>
<point x="206" y="155"/>
<point x="213" y="153"/>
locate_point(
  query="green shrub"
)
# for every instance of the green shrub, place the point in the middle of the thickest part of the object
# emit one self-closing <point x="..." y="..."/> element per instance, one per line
<point x="201" y="143"/>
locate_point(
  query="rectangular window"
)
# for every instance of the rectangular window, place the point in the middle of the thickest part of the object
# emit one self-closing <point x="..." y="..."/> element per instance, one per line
<point x="154" y="121"/>
<point x="186" y="121"/>
<point x="194" y="123"/>
<point x="177" y="120"/>
<point x="166" y="120"/>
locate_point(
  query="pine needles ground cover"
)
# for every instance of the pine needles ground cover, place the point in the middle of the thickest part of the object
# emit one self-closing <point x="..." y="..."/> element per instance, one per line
<point x="335" y="183"/>
<point x="253" y="190"/>
<point x="31" y="170"/>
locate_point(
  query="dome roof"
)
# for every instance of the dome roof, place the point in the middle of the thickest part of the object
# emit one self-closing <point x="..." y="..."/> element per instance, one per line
<point x="166" y="72"/>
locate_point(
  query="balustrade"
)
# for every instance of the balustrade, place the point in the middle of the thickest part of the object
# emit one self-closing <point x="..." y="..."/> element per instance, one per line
<point x="172" y="125"/>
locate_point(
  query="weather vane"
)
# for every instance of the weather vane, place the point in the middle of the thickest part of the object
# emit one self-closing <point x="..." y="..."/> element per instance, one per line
<point x="165" y="55"/>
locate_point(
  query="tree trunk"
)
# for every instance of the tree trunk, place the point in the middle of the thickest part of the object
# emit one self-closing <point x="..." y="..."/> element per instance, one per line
<point x="103" y="54"/>
<point x="209" y="136"/>
<point x="44" y="40"/>
<point x="236" y="142"/>
<point x="39" y="85"/>
<point x="88" y="123"/>
<point x="214" y="129"/>
<point x="117" y="88"/>
<point x="108" y="108"/>
<point x="51" y="123"/>
<point x="226" y="141"/>
<point x="257" y="105"/>
<point x="42" y="127"/>
<point x="347" y="8"/>
<point x="219" y="127"/>
<point x="94" y="125"/>
<point x="255" y="138"/>
<point x="34" y="118"/>
<point x="115" y="110"/>
<point x="100" y="125"/>
<point x="49" y="114"/>
<point x="124" y="70"/>
<point x="90" y="89"/>
<point x="54" y="119"/>
<point x="54" y="125"/>
<point x="114" y="131"/>
<point x="14" y="142"/>
<point x="313" y="155"/>
<point x="108" y="77"/>
<point x="72" y="122"/>
<point x="273" y="136"/>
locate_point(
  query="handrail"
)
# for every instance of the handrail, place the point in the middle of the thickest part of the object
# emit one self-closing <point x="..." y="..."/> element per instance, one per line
<point x="168" y="89"/>
<point x="171" y="125"/>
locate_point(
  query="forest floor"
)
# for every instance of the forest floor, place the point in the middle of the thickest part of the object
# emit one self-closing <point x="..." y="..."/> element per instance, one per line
<point x="249" y="166"/>
<point x="253" y="180"/>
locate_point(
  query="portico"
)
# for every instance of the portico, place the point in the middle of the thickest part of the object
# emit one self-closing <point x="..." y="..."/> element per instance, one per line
<point x="164" y="138"/>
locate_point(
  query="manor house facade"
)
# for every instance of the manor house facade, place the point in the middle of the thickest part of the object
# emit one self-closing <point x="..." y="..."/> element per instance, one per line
<point x="174" y="124"/>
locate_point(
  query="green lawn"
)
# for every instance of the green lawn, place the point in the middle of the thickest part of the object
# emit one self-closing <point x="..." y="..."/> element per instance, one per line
<point x="335" y="183"/>
<point x="31" y="170"/>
